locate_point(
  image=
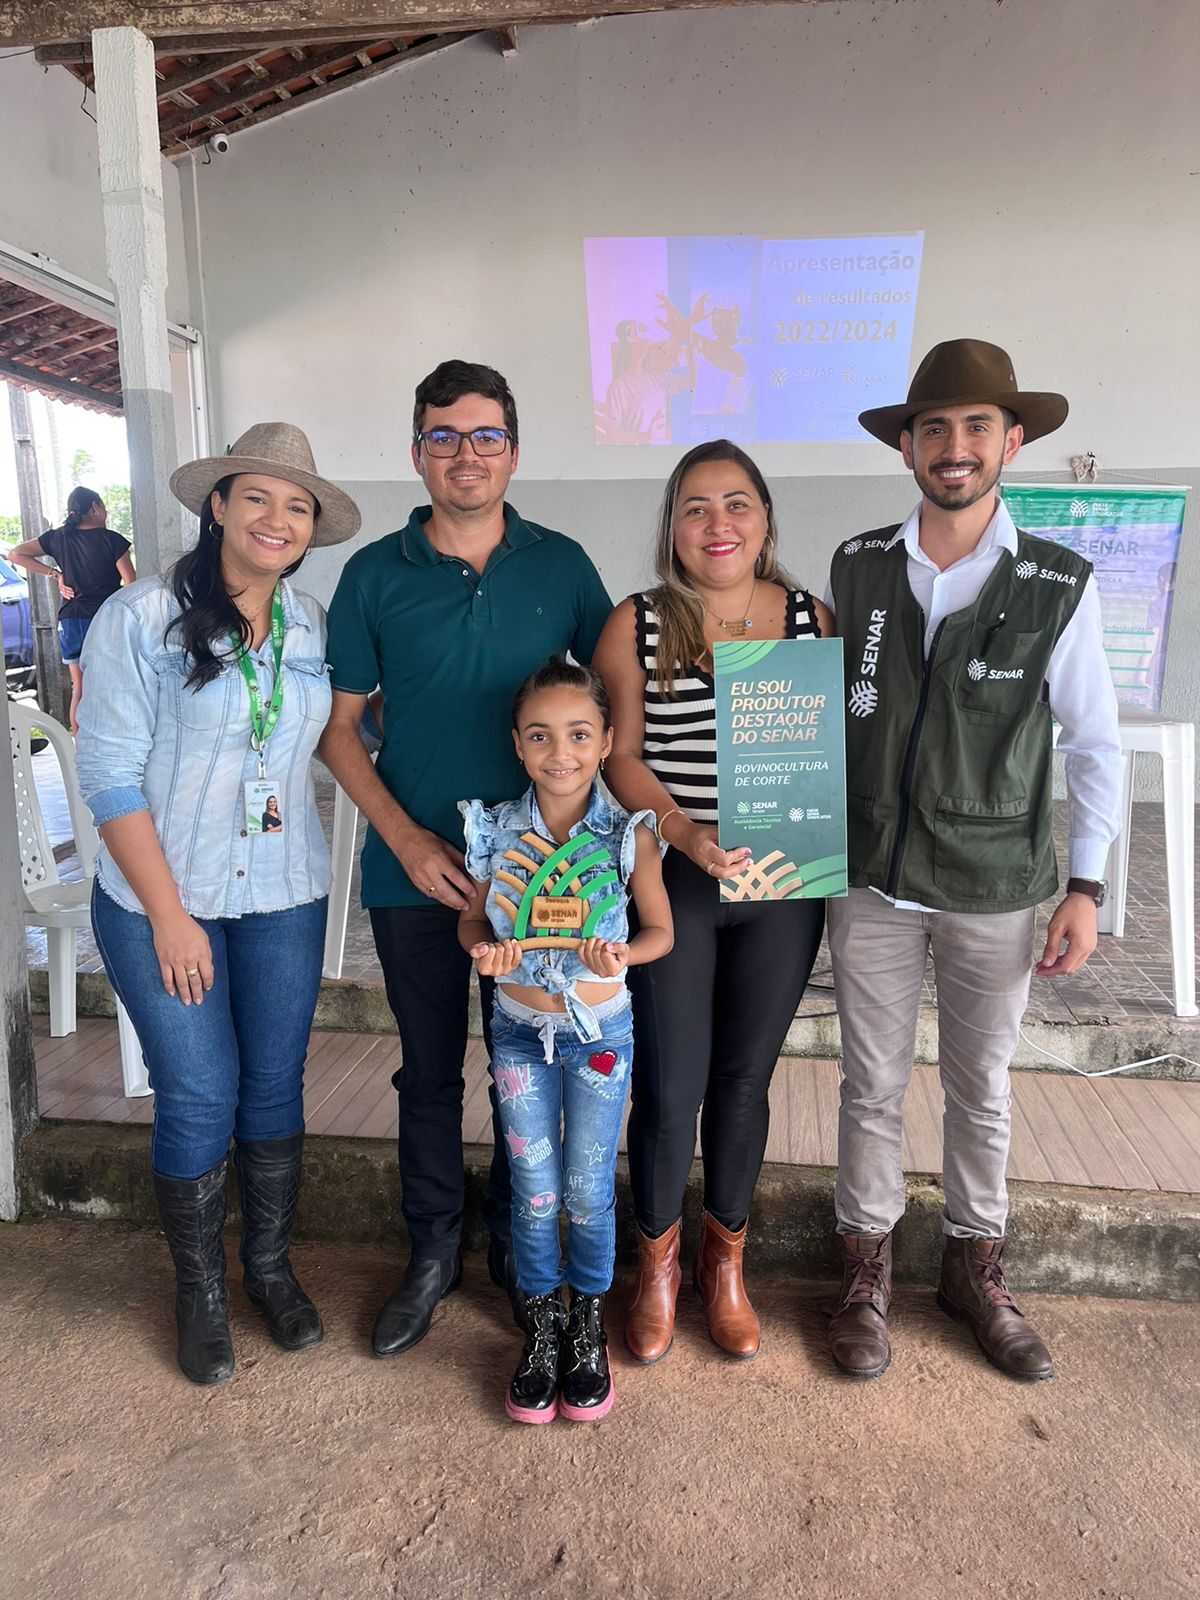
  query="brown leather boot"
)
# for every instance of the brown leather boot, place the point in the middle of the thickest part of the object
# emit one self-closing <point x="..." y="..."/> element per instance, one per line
<point x="650" y="1319"/>
<point x="858" y="1336"/>
<point x="718" y="1279"/>
<point x="973" y="1288"/>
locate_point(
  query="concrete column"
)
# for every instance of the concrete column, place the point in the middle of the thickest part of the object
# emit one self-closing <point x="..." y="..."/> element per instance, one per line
<point x="135" y="239"/>
<point x="18" y="1080"/>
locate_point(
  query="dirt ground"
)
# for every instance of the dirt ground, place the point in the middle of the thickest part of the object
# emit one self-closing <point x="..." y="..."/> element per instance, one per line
<point x="333" y="1476"/>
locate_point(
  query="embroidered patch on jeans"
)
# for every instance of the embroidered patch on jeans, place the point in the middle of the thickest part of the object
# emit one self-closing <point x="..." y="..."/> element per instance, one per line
<point x="603" y="1061"/>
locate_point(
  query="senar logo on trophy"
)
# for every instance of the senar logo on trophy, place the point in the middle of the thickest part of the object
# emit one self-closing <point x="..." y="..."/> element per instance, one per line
<point x="554" y="908"/>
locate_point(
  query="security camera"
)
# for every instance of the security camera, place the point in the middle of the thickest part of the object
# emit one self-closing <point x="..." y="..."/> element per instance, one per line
<point x="218" y="145"/>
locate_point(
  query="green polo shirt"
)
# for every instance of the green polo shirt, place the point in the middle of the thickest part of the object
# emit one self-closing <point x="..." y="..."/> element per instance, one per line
<point x="449" y="648"/>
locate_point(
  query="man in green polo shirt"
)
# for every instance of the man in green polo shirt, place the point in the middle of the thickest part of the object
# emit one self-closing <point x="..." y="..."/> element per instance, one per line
<point x="447" y="617"/>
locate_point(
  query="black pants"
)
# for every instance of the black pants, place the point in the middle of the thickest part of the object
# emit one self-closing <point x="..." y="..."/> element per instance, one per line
<point x="427" y="974"/>
<point x="709" y="1022"/>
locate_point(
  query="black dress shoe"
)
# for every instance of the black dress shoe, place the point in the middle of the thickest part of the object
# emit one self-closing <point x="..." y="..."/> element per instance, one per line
<point x="405" y="1319"/>
<point x="502" y="1270"/>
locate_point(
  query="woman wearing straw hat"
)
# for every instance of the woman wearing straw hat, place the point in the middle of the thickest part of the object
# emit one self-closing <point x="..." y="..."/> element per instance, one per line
<point x="207" y="693"/>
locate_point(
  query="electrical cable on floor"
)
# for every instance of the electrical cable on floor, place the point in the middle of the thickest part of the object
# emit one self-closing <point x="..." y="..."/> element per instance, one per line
<point x="1100" y="1072"/>
<point x="1107" y="1072"/>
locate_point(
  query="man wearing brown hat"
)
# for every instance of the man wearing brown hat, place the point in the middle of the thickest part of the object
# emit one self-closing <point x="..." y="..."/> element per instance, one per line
<point x="963" y="636"/>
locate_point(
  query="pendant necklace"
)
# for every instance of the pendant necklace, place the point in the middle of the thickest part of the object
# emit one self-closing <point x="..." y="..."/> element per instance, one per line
<point x="735" y="627"/>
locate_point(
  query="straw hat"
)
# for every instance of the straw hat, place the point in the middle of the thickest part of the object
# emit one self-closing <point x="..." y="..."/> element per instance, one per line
<point x="966" y="372"/>
<point x="278" y="450"/>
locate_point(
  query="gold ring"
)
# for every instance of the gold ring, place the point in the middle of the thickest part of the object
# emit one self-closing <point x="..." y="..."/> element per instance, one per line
<point x="191" y="972"/>
<point x="709" y="868"/>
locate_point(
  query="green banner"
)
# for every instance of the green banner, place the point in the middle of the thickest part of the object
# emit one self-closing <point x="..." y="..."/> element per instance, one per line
<point x="781" y="766"/>
<point x="1130" y="533"/>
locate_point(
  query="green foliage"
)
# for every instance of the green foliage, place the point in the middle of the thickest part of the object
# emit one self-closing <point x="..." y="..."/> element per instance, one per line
<point x="82" y="467"/>
<point x="120" y="510"/>
<point x="10" y="532"/>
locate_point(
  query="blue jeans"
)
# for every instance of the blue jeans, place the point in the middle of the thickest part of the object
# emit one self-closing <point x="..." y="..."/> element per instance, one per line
<point x="561" y="1120"/>
<point x="234" y="1065"/>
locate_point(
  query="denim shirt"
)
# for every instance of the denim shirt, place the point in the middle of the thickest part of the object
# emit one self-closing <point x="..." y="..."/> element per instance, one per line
<point x="501" y="839"/>
<point x="147" y="743"/>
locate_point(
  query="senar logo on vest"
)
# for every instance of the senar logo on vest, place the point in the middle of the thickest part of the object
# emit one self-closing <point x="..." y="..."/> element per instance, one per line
<point x="977" y="670"/>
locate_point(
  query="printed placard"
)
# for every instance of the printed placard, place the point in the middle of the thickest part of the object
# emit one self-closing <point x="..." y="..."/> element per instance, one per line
<point x="781" y="766"/>
<point x="556" y="912"/>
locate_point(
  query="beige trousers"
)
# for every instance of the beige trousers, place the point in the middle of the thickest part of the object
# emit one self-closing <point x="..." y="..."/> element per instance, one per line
<point x="982" y="965"/>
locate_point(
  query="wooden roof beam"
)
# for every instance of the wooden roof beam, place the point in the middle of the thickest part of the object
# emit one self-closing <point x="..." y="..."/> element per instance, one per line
<point x="187" y="141"/>
<point x="225" y="23"/>
<point x="61" y="388"/>
<point x="290" y="73"/>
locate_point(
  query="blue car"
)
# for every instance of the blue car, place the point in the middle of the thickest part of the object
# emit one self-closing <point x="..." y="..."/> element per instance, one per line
<point x="18" y="625"/>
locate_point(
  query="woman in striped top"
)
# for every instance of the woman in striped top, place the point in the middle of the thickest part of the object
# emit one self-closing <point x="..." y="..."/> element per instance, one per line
<point x="712" y="1016"/>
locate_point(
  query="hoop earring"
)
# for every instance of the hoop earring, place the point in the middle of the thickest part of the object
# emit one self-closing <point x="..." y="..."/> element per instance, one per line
<point x="217" y="530"/>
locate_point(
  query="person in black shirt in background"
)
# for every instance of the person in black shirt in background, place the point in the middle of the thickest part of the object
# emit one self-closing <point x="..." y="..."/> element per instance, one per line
<point x="93" y="562"/>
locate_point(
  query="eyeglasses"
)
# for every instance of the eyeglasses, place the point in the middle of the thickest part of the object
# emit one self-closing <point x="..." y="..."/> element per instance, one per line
<point x="448" y="441"/>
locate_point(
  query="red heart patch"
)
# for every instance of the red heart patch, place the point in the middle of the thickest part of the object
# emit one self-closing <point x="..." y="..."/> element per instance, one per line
<point x="603" y="1061"/>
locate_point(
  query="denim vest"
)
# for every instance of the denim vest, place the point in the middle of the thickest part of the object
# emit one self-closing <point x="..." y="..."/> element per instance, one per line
<point x="510" y="848"/>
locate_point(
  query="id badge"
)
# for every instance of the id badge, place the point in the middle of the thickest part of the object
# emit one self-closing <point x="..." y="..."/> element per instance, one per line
<point x="264" y="812"/>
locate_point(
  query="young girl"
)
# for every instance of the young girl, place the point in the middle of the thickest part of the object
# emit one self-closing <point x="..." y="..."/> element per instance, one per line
<point x="548" y="921"/>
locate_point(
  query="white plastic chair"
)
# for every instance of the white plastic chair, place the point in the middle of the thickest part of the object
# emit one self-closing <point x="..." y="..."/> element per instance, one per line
<point x="1174" y="741"/>
<point x="345" y="823"/>
<point x="61" y="908"/>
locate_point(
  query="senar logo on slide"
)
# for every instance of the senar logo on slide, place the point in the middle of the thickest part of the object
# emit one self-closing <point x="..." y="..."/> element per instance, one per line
<point x="863" y="699"/>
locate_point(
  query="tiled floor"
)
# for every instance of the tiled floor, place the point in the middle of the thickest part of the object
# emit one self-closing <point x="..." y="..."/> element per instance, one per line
<point x="1126" y="978"/>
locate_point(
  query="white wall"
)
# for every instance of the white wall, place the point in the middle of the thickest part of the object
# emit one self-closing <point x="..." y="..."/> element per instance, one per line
<point x="1047" y="151"/>
<point x="50" y="183"/>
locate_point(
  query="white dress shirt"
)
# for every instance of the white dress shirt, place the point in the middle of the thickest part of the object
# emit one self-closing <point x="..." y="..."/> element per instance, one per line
<point x="1080" y="686"/>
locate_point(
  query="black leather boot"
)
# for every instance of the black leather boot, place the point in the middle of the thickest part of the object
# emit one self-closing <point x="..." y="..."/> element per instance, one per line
<point x="268" y="1174"/>
<point x="193" y="1211"/>
<point x="405" y="1319"/>
<point x="585" y="1387"/>
<point x="533" y="1393"/>
<point x="502" y="1270"/>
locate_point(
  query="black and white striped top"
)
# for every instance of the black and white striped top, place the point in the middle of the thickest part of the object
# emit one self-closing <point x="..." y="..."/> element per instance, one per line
<point x="680" y="744"/>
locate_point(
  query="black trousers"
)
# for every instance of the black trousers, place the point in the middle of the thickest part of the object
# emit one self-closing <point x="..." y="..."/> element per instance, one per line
<point x="428" y="974"/>
<point x="709" y="1022"/>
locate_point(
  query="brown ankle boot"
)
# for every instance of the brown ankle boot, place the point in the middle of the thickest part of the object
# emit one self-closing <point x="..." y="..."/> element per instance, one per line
<point x="858" y="1336"/>
<point x="718" y="1279"/>
<point x="973" y="1288"/>
<point x="650" y="1319"/>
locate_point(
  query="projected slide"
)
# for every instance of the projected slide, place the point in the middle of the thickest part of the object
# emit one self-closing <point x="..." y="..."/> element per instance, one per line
<point x="745" y="338"/>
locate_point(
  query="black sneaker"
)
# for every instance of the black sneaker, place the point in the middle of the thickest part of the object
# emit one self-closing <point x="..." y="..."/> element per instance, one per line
<point x="533" y="1393"/>
<point x="585" y="1385"/>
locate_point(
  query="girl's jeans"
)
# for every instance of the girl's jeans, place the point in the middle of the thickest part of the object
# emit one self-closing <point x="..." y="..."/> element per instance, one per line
<point x="234" y="1065"/>
<point x="561" y="1119"/>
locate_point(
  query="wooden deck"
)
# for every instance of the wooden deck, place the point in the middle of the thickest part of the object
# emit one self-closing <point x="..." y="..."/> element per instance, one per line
<point x="1107" y="1133"/>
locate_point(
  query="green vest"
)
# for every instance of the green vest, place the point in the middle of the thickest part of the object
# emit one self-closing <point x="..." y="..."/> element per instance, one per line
<point x="948" y="760"/>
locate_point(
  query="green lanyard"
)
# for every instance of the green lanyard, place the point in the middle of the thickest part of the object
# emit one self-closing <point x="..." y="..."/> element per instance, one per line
<point x="262" y="726"/>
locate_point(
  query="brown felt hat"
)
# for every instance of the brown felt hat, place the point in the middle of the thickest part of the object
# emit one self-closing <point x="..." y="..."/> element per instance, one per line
<point x="277" y="450"/>
<point x="966" y="372"/>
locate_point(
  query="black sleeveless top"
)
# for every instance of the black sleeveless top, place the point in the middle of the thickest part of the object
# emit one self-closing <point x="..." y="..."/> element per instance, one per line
<point x="680" y="744"/>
